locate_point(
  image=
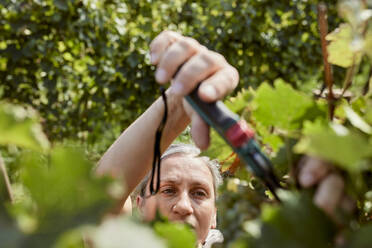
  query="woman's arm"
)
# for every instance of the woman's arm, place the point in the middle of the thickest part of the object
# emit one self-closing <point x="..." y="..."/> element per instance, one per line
<point x="131" y="154"/>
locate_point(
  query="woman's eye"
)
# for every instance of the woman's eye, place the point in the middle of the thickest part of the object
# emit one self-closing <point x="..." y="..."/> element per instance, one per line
<point x="200" y="193"/>
<point x="169" y="191"/>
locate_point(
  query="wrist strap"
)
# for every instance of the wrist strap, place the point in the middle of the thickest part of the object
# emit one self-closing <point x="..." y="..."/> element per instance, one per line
<point x="156" y="162"/>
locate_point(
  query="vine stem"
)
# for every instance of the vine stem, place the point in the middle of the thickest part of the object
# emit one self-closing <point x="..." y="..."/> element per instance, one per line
<point x="6" y="179"/>
<point x="328" y="77"/>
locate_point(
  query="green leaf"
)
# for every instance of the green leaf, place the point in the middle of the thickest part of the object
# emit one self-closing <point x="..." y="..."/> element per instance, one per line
<point x="67" y="56"/>
<point x="71" y="239"/>
<point x="19" y="126"/>
<point x="80" y="66"/>
<point x="295" y="223"/>
<point x="65" y="193"/>
<point x="177" y="235"/>
<point x="65" y="174"/>
<point x="61" y="46"/>
<point x="335" y="143"/>
<point x="218" y="149"/>
<point x="340" y="47"/>
<point x="368" y="42"/>
<point x="238" y="103"/>
<point x="361" y="238"/>
<point x="284" y="158"/>
<point x="269" y="138"/>
<point x="281" y="106"/>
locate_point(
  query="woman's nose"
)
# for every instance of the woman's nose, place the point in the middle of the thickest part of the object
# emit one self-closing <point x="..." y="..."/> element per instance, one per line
<point x="183" y="205"/>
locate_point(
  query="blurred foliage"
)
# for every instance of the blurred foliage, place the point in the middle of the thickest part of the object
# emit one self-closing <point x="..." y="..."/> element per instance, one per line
<point x="290" y="122"/>
<point x="177" y="235"/>
<point x="83" y="65"/>
<point x="22" y="128"/>
<point x="57" y="201"/>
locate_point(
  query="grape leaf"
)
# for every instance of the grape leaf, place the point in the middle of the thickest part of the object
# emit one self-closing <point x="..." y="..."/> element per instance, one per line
<point x="335" y="143"/>
<point x="368" y="42"/>
<point x="64" y="191"/>
<point x="65" y="175"/>
<point x="239" y="102"/>
<point x="340" y="47"/>
<point x="218" y="149"/>
<point x="281" y="106"/>
<point x="291" y="224"/>
<point x="177" y="235"/>
<point x="269" y="138"/>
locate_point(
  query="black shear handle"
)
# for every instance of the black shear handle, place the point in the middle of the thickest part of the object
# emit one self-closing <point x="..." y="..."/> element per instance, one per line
<point x="216" y="114"/>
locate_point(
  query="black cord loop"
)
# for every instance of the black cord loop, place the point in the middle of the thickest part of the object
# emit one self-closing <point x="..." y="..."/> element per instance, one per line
<point x="157" y="153"/>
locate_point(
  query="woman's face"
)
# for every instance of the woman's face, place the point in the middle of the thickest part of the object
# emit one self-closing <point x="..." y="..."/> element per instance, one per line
<point x="186" y="194"/>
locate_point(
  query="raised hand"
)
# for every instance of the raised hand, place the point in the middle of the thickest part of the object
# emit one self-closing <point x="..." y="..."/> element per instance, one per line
<point x="169" y="51"/>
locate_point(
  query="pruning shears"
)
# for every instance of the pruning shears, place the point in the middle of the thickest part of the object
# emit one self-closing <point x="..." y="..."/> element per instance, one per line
<point x="236" y="132"/>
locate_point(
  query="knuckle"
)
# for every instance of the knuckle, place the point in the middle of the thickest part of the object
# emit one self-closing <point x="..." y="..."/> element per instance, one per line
<point x="202" y="48"/>
<point x="186" y="75"/>
<point x="189" y="44"/>
<point x="226" y="81"/>
<point x="235" y="74"/>
<point x="164" y="36"/>
<point x="212" y="58"/>
<point x="167" y="33"/>
<point x="206" y="56"/>
<point x="173" y="36"/>
<point x="232" y="76"/>
<point x="218" y="57"/>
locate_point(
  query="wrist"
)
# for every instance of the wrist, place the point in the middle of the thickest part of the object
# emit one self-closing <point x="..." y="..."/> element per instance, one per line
<point x="177" y="119"/>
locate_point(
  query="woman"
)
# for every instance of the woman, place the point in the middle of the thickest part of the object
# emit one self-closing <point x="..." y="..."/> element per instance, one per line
<point x="188" y="183"/>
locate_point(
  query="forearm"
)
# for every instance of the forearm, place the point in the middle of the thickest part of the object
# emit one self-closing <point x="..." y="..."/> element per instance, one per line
<point x="131" y="154"/>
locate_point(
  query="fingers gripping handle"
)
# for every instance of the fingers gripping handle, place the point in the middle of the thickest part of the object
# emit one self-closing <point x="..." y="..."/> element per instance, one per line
<point x="219" y="117"/>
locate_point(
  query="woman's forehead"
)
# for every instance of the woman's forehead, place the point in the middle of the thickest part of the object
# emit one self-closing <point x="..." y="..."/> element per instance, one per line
<point x="177" y="167"/>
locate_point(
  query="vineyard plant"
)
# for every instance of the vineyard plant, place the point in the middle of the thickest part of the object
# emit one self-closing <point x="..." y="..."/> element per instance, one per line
<point x="76" y="73"/>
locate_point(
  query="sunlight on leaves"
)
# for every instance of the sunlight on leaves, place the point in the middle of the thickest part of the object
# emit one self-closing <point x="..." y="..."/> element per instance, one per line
<point x="280" y="106"/>
<point x="20" y="126"/>
<point x="357" y="121"/>
<point x="340" y="48"/>
<point x="177" y="235"/>
<point x="241" y="101"/>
